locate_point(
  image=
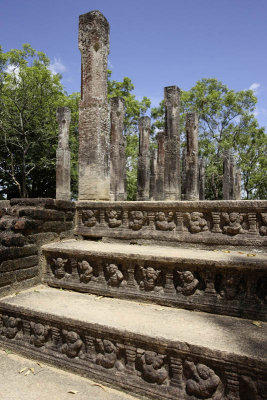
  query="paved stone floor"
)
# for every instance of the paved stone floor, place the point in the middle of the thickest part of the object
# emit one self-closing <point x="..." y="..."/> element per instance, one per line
<point x="25" y="379"/>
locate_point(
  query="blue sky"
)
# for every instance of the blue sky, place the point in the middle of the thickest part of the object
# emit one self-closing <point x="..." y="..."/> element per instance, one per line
<point x="154" y="42"/>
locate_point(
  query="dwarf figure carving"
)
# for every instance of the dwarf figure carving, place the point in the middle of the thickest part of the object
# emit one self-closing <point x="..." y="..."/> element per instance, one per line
<point x="115" y="275"/>
<point x="73" y="346"/>
<point x="108" y="357"/>
<point x="202" y="381"/>
<point x="230" y="286"/>
<point x="40" y="334"/>
<point x="86" y="271"/>
<point x="138" y="220"/>
<point x="188" y="283"/>
<point x="233" y="221"/>
<point x="152" y="366"/>
<point x="196" y="222"/>
<point x="10" y="326"/>
<point x="89" y="218"/>
<point x="59" y="264"/>
<point x="164" y="223"/>
<point x="113" y="219"/>
<point x="263" y="228"/>
<point x="150" y="276"/>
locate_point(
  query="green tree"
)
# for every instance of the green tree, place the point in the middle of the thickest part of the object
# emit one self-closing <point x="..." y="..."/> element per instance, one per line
<point x="29" y="96"/>
<point x="226" y="121"/>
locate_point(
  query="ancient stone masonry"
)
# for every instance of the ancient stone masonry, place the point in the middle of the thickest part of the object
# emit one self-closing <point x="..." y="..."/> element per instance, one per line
<point x="231" y="284"/>
<point x="94" y="120"/>
<point x="172" y="180"/>
<point x="24" y="225"/>
<point x="191" y="157"/>
<point x="164" y="370"/>
<point x="201" y="179"/>
<point x="212" y="223"/>
<point x="231" y="178"/>
<point x="63" y="155"/>
<point x="153" y="175"/>
<point x="160" y="167"/>
<point x="117" y="150"/>
<point x="143" y="171"/>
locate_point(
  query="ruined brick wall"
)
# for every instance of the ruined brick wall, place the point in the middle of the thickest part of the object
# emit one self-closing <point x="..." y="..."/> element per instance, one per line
<point x="26" y="224"/>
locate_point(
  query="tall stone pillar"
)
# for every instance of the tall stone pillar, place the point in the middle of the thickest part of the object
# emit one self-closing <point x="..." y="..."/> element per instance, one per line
<point x="183" y="174"/>
<point x="117" y="150"/>
<point x="153" y="174"/>
<point x="238" y="184"/>
<point x="172" y="179"/>
<point x="226" y="175"/>
<point x="201" y="179"/>
<point x="160" y="167"/>
<point x="63" y="154"/>
<point x="232" y="178"/>
<point x="143" y="171"/>
<point x="94" y="121"/>
<point x="191" y="158"/>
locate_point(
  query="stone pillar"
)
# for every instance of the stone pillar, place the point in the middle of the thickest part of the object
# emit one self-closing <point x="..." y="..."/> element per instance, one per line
<point x="143" y="171"/>
<point x="160" y="167"/>
<point x="238" y="184"/>
<point x="191" y="158"/>
<point x="183" y="175"/>
<point x="226" y="175"/>
<point x="201" y="179"/>
<point x="153" y="174"/>
<point x="94" y="121"/>
<point x="117" y="150"/>
<point x="232" y="178"/>
<point x="63" y="154"/>
<point x="172" y="180"/>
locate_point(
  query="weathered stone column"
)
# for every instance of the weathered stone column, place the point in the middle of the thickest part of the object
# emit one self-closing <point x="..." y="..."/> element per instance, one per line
<point x="232" y="178"/>
<point x="117" y="150"/>
<point x="191" y="158"/>
<point x="153" y="174"/>
<point x="238" y="184"/>
<point x="143" y="171"/>
<point x="160" y="167"/>
<point x="63" y="154"/>
<point x="94" y="121"/>
<point x="226" y="175"/>
<point x="201" y="179"/>
<point x="172" y="179"/>
<point x="183" y="174"/>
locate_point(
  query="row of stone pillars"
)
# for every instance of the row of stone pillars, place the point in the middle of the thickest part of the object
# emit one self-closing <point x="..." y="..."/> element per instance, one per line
<point x="102" y="162"/>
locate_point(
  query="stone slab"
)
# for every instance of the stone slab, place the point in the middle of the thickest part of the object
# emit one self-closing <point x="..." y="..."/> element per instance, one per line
<point x="48" y="383"/>
<point x="77" y="330"/>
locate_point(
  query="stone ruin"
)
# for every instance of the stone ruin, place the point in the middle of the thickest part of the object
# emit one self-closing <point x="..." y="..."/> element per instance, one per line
<point x="200" y="266"/>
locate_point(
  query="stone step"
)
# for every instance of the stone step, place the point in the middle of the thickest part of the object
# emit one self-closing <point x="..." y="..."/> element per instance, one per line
<point x="159" y="352"/>
<point x="231" y="283"/>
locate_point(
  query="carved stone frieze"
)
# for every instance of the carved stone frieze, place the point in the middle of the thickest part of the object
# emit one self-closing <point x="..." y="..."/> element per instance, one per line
<point x="137" y="220"/>
<point x="196" y="222"/>
<point x="187" y="283"/>
<point x="165" y="222"/>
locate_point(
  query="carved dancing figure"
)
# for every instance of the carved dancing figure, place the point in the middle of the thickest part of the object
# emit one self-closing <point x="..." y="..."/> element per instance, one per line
<point x="233" y="221"/>
<point x="263" y="228"/>
<point x="230" y="286"/>
<point x="113" y="219"/>
<point x="164" y="223"/>
<point x="86" y="271"/>
<point x="138" y="220"/>
<point x="197" y="222"/>
<point x="74" y="346"/>
<point x="188" y="283"/>
<point x="153" y="369"/>
<point x="60" y="267"/>
<point x="108" y="357"/>
<point x="150" y="276"/>
<point x="89" y="218"/>
<point x="115" y="275"/>
<point x="10" y="326"/>
<point x="203" y="382"/>
<point x="40" y="334"/>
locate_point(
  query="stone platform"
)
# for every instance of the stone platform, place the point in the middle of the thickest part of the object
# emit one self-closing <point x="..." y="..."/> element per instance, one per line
<point x="185" y="356"/>
<point x="230" y="282"/>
